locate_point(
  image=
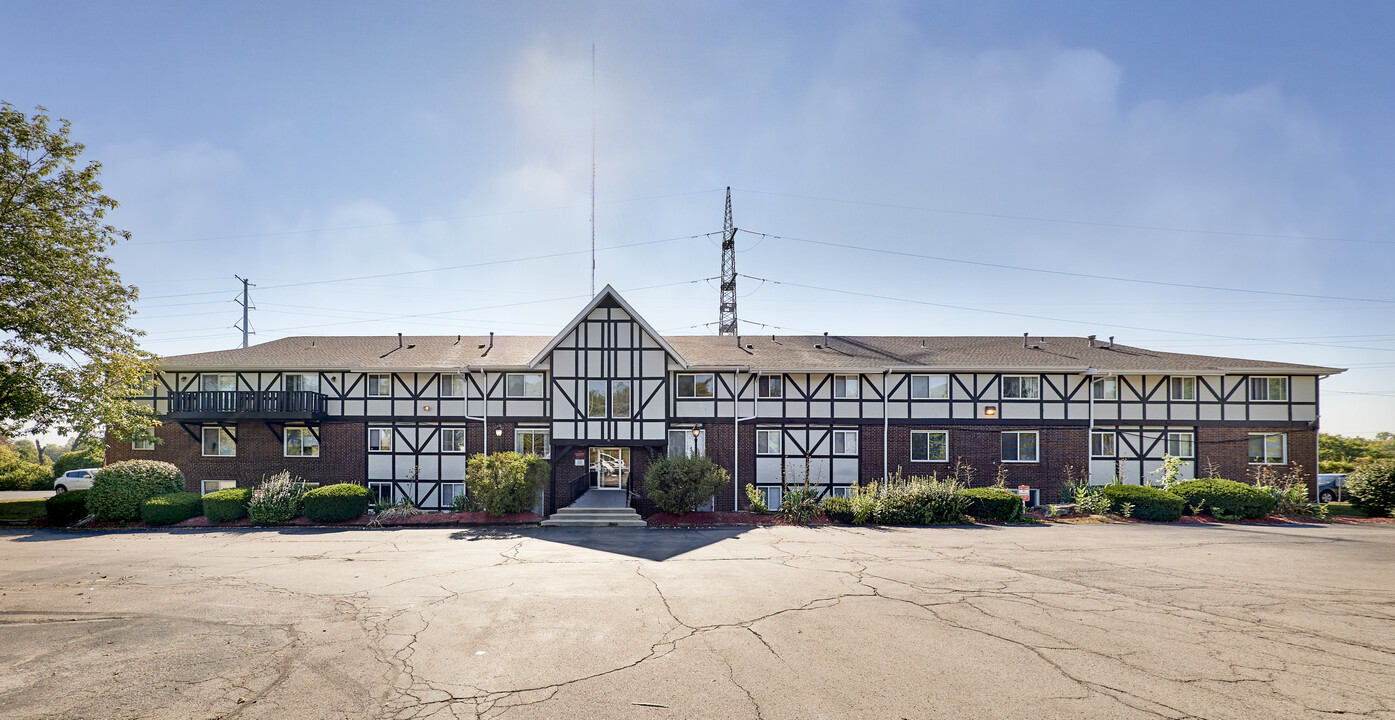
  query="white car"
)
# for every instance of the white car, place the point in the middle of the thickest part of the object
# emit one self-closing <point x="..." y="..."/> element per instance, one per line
<point x="74" y="480"/>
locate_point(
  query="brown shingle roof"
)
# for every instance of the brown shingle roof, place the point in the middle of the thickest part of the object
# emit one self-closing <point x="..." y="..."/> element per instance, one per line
<point x="788" y="352"/>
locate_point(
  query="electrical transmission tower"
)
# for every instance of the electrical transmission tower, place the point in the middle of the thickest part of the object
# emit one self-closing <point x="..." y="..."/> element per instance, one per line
<point x="726" y="323"/>
<point x="245" y="302"/>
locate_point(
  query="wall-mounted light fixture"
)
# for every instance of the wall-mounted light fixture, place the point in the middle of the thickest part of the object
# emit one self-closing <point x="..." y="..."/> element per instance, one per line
<point x="697" y="430"/>
<point x="498" y="431"/>
<point x="426" y="408"/>
<point x="990" y="411"/>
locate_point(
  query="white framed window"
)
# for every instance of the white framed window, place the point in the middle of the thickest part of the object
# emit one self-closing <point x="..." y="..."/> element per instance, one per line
<point x="1021" y="387"/>
<point x="1103" y="445"/>
<point x="1019" y="446"/>
<point x="596" y="391"/>
<point x="145" y="442"/>
<point x="453" y="440"/>
<point x="683" y="442"/>
<point x="380" y="439"/>
<point x="218" y="442"/>
<point x="846" y="386"/>
<point x="380" y="385"/>
<point x="301" y="382"/>
<point x="1182" y="388"/>
<point x="147" y="383"/>
<point x="1181" y="444"/>
<point x="774" y="496"/>
<point x="769" y="442"/>
<point x="843" y="490"/>
<point x="300" y="442"/>
<point x="216" y="485"/>
<point x="844" y="442"/>
<point x="532" y="441"/>
<point x="452" y="385"/>
<point x="620" y="398"/>
<point x="1268" y="448"/>
<point x="1105" y="389"/>
<point x="449" y="491"/>
<point x="1268" y="389"/>
<point x="217" y="382"/>
<point x="929" y="387"/>
<point x="385" y="492"/>
<point x="694" y="385"/>
<point x="770" y="386"/>
<point x="929" y="446"/>
<point x="523" y="385"/>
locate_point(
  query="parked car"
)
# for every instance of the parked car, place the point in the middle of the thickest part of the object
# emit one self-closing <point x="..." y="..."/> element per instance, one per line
<point x="75" y="480"/>
<point x="1330" y="486"/>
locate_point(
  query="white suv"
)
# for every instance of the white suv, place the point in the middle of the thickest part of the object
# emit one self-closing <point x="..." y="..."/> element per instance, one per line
<point x="75" y="480"/>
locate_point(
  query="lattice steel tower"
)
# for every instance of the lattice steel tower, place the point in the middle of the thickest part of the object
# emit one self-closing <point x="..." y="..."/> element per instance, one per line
<point x="726" y="322"/>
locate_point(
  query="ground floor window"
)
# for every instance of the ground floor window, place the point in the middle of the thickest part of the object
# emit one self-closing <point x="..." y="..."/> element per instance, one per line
<point x="1181" y="444"/>
<point x="301" y="442"/>
<point x="219" y="442"/>
<point x="844" y="442"/>
<point x="768" y="442"/>
<point x="1019" y="446"/>
<point x="143" y="444"/>
<point x="773" y="495"/>
<point x="452" y="440"/>
<point x="1102" y="445"/>
<point x="216" y="485"/>
<point x="532" y="441"/>
<point x="929" y="446"/>
<point x="1268" y="448"/>
<point x="379" y="439"/>
<point x="449" y="491"/>
<point x="687" y="442"/>
<point x="385" y="492"/>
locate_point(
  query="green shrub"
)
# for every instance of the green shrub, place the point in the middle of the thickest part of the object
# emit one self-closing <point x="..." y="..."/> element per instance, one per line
<point x="680" y="484"/>
<point x="1090" y="500"/>
<point x="757" y="499"/>
<point x="16" y="474"/>
<point x="277" y="499"/>
<point x="66" y="508"/>
<point x="119" y="489"/>
<point x="506" y="482"/>
<point x="838" y="509"/>
<point x="226" y="505"/>
<point x="1372" y="488"/>
<point x="1149" y="503"/>
<point x="172" y="508"/>
<point x="919" y="501"/>
<point x="462" y="503"/>
<point x="864" y="502"/>
<point x="333" y="503"/>
<point x="1224" y="499"/>
<point x="93" y="457"/>
<point x="800" y="504"/>
<point x="993" y="504"/>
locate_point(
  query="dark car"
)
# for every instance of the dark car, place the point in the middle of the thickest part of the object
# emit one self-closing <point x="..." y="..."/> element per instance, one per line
<point x="1330" y="486"/>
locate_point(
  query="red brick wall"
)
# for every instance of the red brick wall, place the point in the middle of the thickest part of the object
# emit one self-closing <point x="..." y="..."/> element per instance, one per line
<point x="1227" y="449"/>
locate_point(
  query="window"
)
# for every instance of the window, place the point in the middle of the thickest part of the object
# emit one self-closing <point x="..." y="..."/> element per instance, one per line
<point x="380" y="439"/>
<point x="774" y="496"/>
<point x="1268" y="389"/>
<point x="532" y="441"/>
<point x="302" y="383"/>
<point x="929" y="446"/>
<point x="218" y="442"/>
<point x="143" y="440"/>
<point x="697" y="385"/>
<point x="620" y="398"/>
<point x="1181" y="444"/>
<point x="217" y="382"/>
<point x="524" y="385"/>
<point x="1183" y="388"/>
<point x="216" y="485"/>
<point x="300" y="442"/>
<point x="1268" y="449"/>
<point x="384" y="491"/>
<point x="845" y="386"/>
<point x="449" y="491"/>
<point x="452" y="440"/>
<point x="770" y="386"/>
<point x="1102" y="444"/>
<point x="768" y="442"/>
<point x="1019" y="446"/>
<point x="452" y="385"/>
<point x="1021" y="387"/>
<point x="844" y="442"/>
<point x="596" y="398"/>
<point x="380" y="386"/>
<point x="1105" y="389"/>
<point x="682" y="443"/>
<point x="147" y="382"/>
<point x="929" y="387"/>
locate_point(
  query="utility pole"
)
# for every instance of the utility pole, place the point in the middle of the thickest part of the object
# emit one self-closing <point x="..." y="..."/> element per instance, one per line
<point x="246" y="305"/>
<point x="726" y="322"/>
<point x="593" y="171"/>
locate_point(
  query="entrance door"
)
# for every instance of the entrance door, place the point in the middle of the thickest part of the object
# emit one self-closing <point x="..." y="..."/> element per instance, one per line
<point x="610" y="467"/>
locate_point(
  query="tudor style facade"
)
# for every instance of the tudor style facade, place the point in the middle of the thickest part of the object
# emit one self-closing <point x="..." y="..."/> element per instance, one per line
<point x="608" y="393"/>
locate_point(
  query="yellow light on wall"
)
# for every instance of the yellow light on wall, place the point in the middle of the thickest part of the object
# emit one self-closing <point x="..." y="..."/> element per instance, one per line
<point x="990" y="411"/>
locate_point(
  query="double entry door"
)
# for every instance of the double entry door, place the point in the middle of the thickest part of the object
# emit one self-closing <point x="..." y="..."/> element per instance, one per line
<point x="610" y="467"/>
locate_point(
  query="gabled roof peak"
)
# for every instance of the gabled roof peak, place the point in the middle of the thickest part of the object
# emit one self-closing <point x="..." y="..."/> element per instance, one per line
<point x="607" y="297"/>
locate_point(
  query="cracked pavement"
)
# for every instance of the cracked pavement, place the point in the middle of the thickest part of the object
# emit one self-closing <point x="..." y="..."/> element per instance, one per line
<point x="1061" y="621"/>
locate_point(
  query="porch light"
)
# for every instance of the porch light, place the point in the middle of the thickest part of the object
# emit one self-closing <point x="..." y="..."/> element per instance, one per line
<point x="426" y="408"/>
<point x="990" y="411"/>
<point x="697" y="430"/>
<point x="498" y="431"/>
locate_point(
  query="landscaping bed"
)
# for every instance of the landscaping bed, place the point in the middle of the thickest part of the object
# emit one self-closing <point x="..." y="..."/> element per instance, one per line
<point x="721" y="519"/>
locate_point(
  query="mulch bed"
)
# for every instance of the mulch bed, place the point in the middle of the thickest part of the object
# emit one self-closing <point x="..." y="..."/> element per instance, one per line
<point x="720" y="519"/>
<point x="423" y="520"/>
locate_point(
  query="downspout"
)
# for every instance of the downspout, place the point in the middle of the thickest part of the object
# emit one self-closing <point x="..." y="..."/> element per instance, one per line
<point x="886" y="426"/>
<point x="485" y="390"/>
<point x="736" y="436"/>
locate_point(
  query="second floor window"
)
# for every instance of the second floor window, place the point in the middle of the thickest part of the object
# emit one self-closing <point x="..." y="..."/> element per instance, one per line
<point x="596" y="391"/>
<point x="217" y="382"/>
<point x="770" y="386"/>
<point x="380" y="439"/>
<point x="452" y="385"/>
<point x="1105" y="389"/>
<point x="694" y="385"/>
<point x="532" y="441"/>
<point x="524" y="385"/>
<point x="620" y="398"/>
<point x="302" y="383"/>
<point x="452" y="440"/>
<point x="1102" y="444"/>
<point x="1268" y="389"/>
<point x="768" y="442"/>
<point x="1021" y="387"/>
<point x="844" y="442"/>
<point x="845" y="386"/>
<point x="1183" y="388"/>
<point x="380" y="385"/>
<point x="929" y="387"/>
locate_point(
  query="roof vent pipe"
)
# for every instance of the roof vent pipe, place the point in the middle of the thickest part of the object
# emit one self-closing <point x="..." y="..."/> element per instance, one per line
<point x="1024" y="339"/>
<point x="1092" y="340"/>
<point x="1111" y="342"/>
<point x="457" y="339"/>
<point x="738" y="341"/>
<point x="399" y="341"/>
<point x="491" y="343"/>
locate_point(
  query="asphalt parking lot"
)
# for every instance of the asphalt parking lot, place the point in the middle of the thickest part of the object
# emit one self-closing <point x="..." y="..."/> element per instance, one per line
<point x="1099" y="621"/>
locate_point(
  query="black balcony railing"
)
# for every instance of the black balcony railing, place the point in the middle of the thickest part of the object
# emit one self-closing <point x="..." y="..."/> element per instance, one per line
<point x="248" y="404"/>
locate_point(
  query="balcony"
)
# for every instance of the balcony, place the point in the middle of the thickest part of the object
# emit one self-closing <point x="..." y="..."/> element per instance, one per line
<point x="247" y="405"/>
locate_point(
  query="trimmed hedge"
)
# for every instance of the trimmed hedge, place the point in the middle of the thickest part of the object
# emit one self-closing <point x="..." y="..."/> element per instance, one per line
<point x="119" y="489"/>
<point x="506" y="482"/>
<point x="1149" y="503"/>
<point x="838" y="509"/>
<point x="993" y="504"/>
<point x="333" y="503"/>
<point x="681" y="484"/>
<point x="66" y="508"/>
<point x="1372" y="487"/>
<point x="1224" y="499"/>
<point x="226" y="505"/>
<point x="172" y="508"/>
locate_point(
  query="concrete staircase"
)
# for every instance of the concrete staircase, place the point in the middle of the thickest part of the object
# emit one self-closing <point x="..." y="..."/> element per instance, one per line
<point x="597" y="508"/>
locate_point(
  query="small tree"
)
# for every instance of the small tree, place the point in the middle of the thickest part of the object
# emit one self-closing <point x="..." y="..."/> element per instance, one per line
<point x="1372" y="487"/>
<point x="506" y="482"/>
<point x="680" y="484"/>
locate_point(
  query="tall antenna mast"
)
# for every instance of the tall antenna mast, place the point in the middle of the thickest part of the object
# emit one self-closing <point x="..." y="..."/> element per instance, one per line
<point x="593" y="170"/>
<point x="246" y="305"/>
<point x="726" y="322"/>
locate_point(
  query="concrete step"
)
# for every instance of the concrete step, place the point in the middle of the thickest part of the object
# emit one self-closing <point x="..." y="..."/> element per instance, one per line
<point x="595" y="517"/>
<point x="595" y="511"/>
<point x="584" y="522"/>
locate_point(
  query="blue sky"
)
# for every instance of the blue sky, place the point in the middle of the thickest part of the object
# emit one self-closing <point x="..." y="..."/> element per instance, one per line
<point x="1189" y="150"/>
